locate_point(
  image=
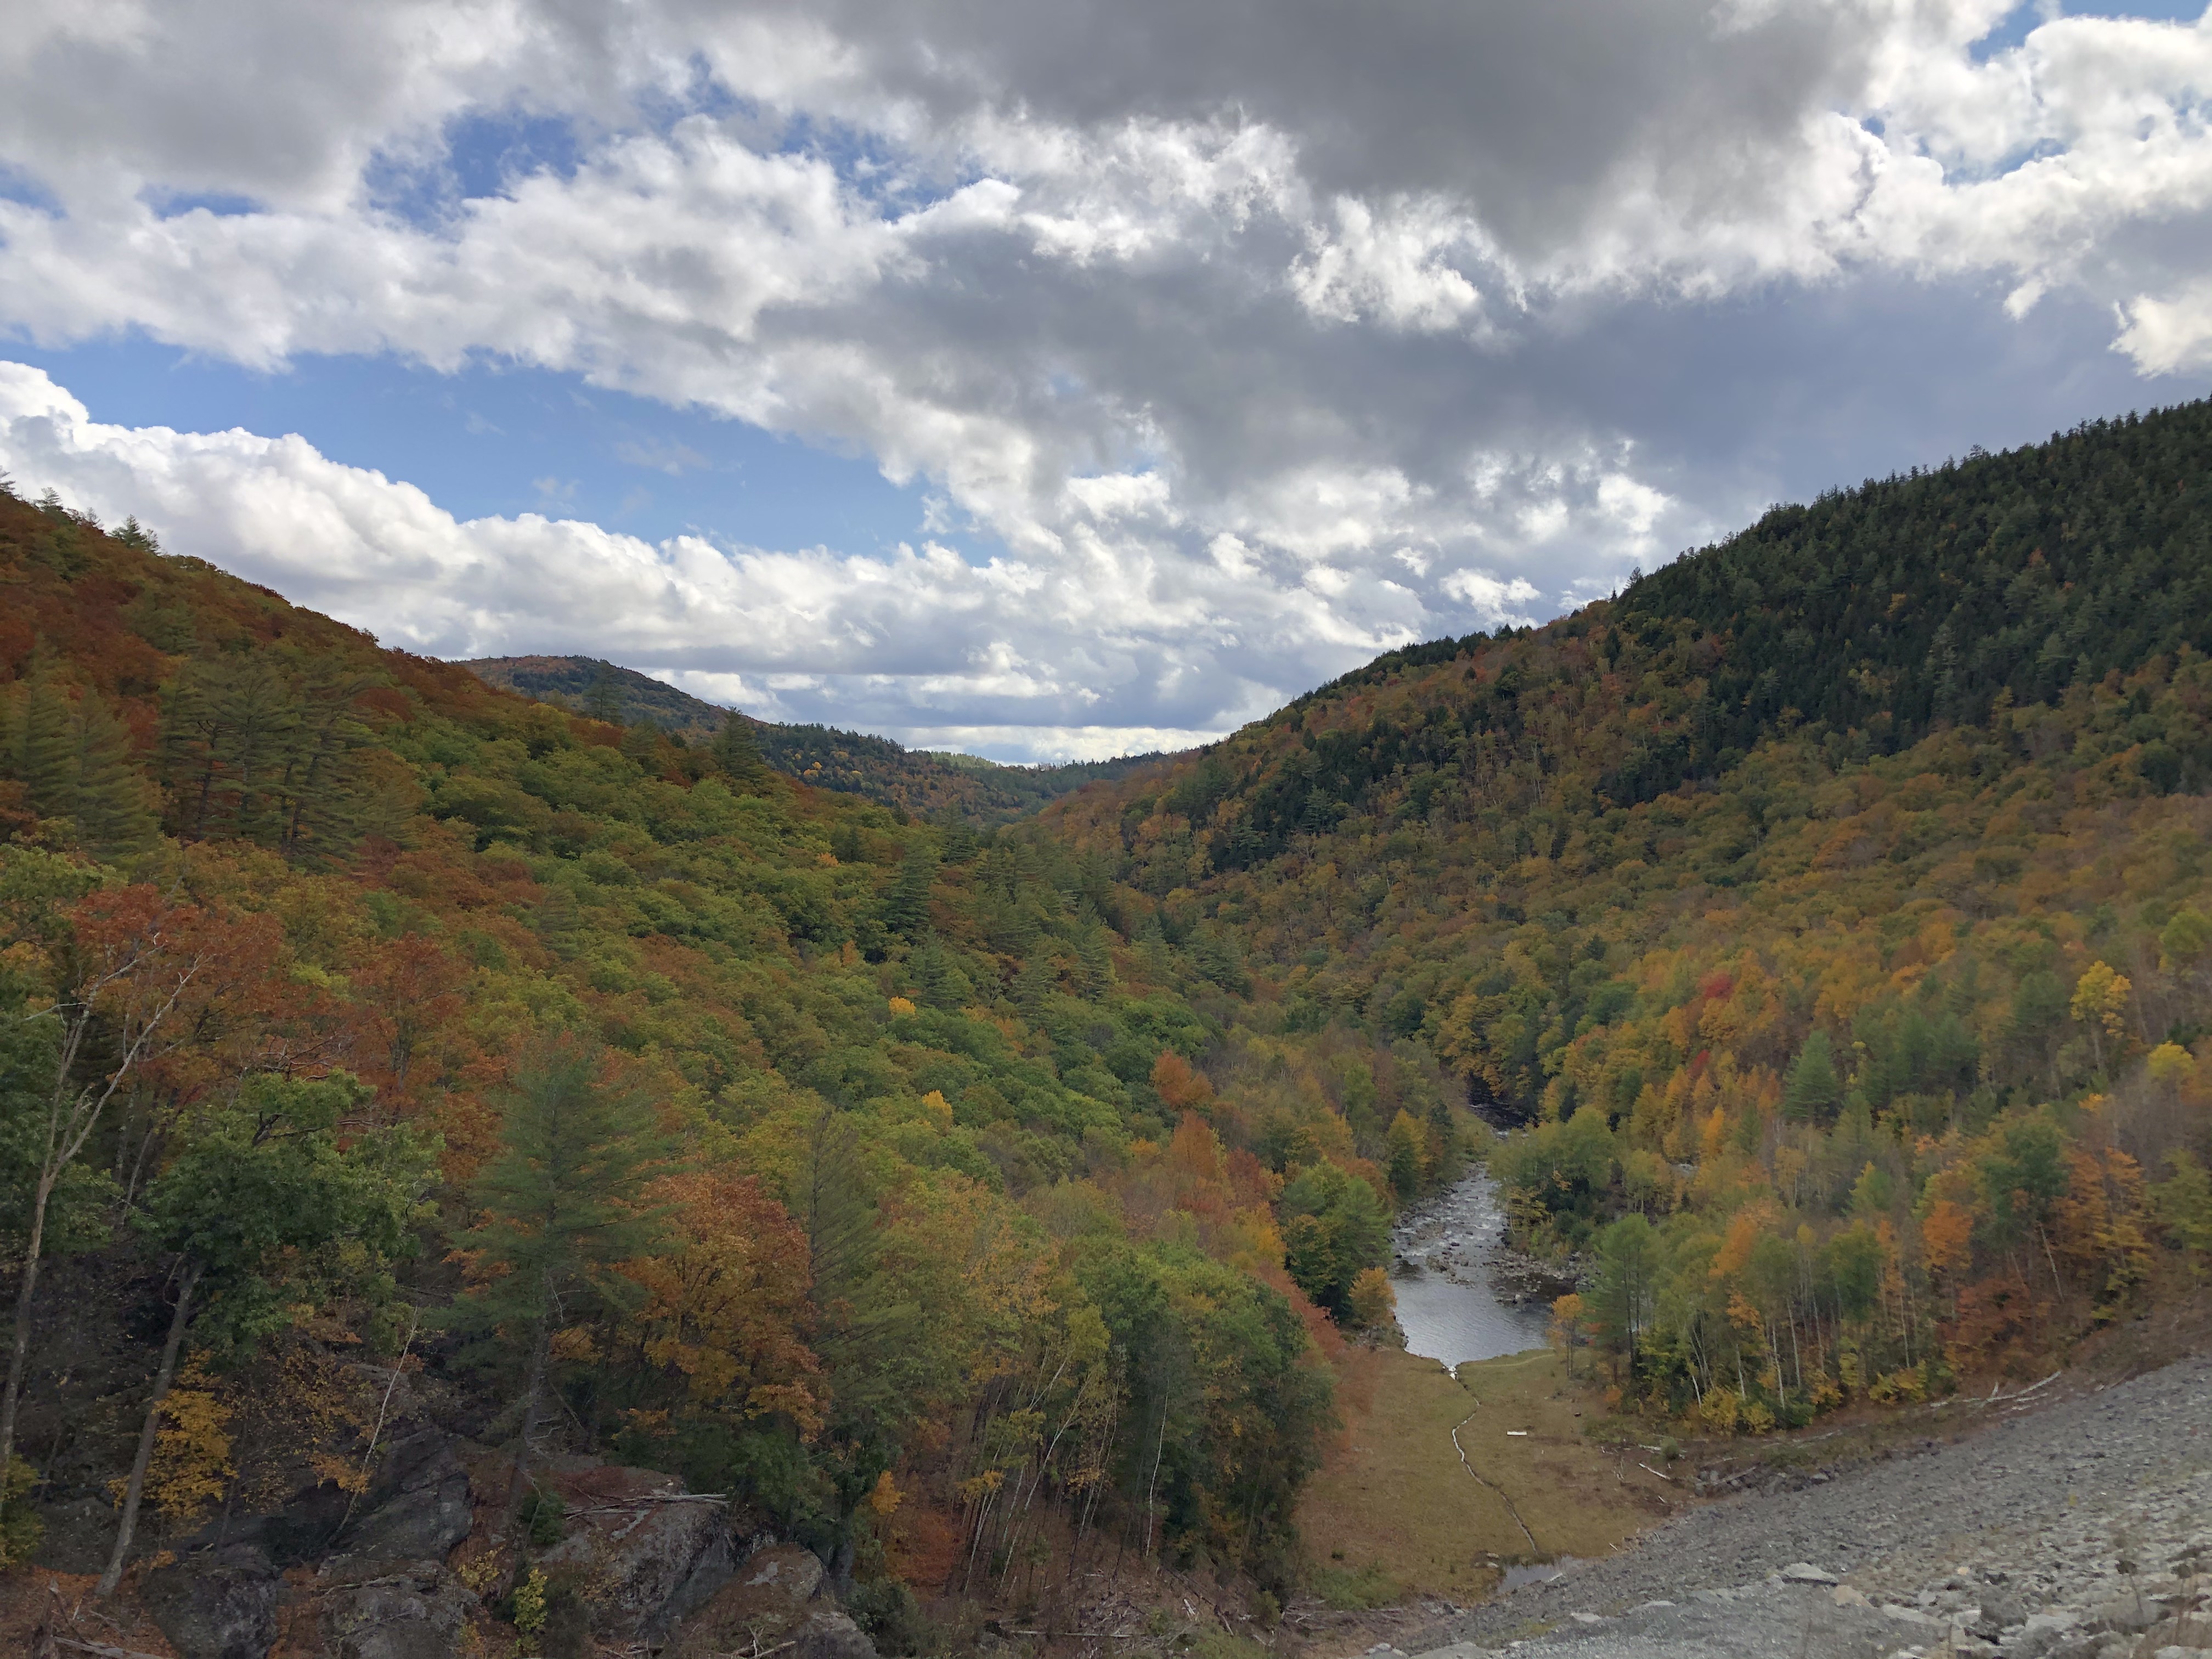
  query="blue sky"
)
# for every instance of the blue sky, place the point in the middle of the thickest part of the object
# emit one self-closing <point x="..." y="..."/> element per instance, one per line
<point x="1216" y="347"/>
<point x="501" y="440"/>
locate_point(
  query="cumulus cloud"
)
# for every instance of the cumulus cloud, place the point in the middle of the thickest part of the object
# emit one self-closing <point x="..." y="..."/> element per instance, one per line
<point x="1111" y="654"/>
<point x="1259" y="336"/>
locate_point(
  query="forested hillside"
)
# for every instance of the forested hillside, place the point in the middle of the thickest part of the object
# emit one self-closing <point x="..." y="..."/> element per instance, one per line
<point x="1835" y="902"/>
<point x="980" y="1205"/>
<point x="921" y="783"/>
<point x="925" y="1190"/>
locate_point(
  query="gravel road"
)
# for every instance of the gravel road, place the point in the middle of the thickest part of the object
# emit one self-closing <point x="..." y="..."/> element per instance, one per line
<point x="2045" y="1512"/>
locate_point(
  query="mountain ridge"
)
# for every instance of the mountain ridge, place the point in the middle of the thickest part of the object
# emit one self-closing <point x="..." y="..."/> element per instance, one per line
<point x="1853" y="990"/>
<point x="923" y="782"/>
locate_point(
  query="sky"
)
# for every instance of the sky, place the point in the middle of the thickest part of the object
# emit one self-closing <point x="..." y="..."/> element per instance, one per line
<point x="1057" y="381"/>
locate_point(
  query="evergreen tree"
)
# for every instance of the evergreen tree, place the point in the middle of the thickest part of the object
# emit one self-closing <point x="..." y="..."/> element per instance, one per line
<point x="563" y="1205"/>
<point x="1094" y="956"/>
<point x="906" y="906"/>
<point x="603" y="700"/>
<point x="113" y="815"/>
<point x="1813" y="1089"/>
<point x="640" y="745"/>
<point x="46" y="758"/>
<point x="736" y="753"/>
<point x="1034" y="982"/>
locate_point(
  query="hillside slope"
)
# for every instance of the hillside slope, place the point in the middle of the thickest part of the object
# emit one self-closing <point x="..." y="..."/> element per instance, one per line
<point x="1836" y="901"/>
<point x="920" y="782"/>
<point x="660" y="1107"/>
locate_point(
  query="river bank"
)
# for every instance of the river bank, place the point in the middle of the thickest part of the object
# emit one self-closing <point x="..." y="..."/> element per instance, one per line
<point x="2073" y="1526"/>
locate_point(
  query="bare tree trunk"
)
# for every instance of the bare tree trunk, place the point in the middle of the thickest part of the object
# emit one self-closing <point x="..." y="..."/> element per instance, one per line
<point x="70" y="1120"/>
<point x="533" y="1393"/>
<point x="19" y="1349"/>
<point x="136" y="1488"/>
<point x="43" y="1639"/>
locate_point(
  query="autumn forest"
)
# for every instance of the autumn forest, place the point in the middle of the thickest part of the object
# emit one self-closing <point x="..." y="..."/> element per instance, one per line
<point x="1814" y="940"/>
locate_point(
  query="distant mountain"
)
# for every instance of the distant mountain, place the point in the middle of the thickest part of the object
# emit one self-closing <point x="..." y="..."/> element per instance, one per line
<point x="919" y="781"/>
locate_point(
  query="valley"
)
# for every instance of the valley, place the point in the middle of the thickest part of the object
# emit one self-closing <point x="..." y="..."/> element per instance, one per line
<point x="489" y="1173"/>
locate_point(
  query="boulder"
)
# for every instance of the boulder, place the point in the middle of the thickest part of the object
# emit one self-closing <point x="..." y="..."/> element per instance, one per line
<point x="774" y="1599"/>
<point x="2128" y="1615"/>
<point x="1804" y="1572"/>
<point x="638" y="1549"/>
<point x="222" y="1606"/>
<point x="416" y="1511"/>
<point x="398" y="1616"/>
<point x="2044" y="1632"/>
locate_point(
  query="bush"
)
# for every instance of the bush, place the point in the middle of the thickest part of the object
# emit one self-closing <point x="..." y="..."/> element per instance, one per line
<point x="21" y="1528"/>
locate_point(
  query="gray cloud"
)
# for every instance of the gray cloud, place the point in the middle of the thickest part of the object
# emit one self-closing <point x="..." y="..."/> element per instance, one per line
<point x="1261" y="335"/>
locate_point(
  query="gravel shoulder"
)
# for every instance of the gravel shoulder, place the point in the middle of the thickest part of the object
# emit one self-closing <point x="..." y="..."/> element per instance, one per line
<point x="2040" y="1527"/>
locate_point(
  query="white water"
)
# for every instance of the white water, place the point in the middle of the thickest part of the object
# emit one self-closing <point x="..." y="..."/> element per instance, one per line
<point x="1446" y="1306"/>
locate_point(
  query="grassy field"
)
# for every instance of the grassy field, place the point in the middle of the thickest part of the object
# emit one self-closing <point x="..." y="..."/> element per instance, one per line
<point x="1395" y="1509"/>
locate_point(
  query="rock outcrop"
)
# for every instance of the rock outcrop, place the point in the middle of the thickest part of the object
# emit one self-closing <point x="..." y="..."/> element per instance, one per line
<point x="775" y="1599"/>
<point x="416" y="1614"/>
<point x="639" y="1551"/>
<point x="220" y="1606"/>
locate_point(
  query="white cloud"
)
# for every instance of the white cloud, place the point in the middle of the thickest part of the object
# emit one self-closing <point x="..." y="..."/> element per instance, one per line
<point x="920" y="643"/>
<point x="1251" y="346"/>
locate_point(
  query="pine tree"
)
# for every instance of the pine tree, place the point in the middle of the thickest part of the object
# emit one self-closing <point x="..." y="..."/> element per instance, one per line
<point x="1094" y="955"/>
<point x="1034" y="982"/>
<point x="736" y="752"/>
<point x="563" y="1205"/>
<point x="603" y="700"/>
<point x="113" y="815"/>
<point x="46" y="757"/>
<point x="640" y="745"/>
<point x="906" y="906"/>
<point x="1812" y="1089"/>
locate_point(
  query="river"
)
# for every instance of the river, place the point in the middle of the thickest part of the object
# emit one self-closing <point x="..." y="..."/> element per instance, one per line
<point x="1442" y="1255"/>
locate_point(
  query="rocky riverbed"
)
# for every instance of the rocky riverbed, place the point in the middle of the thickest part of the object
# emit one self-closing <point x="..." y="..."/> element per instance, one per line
<point x="2077" y="1530"/>
<point x="1463" y="1293"/>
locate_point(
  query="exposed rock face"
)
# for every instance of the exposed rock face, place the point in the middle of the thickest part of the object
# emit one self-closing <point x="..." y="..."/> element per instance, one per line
<point x="775" y="1598"/>
<point x="415" y="1513"/>
<point x="639" y="1552"/>
<point x="396" y="1616"/>
<point x="218" y="1607"/>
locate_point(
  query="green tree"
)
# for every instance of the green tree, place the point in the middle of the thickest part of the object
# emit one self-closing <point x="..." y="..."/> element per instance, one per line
<point x="263" y="746"/>
<point x="1627" y="1292"/>
<point x="2183" y="1203"/>
<point x="640" y="746"/>
<point x="1333" y="1227"/>
<point x="113" y="815"/>
<point x="262" y="1208"/>
<point x="736" y="753"/>
<point x="2021" y="1177"/>
<point x="906" y="906"/>
<point x="45" y="754"/>
<point x="563" y="1204"/>
<point x="125" y="967"/>
<point x="1812" y="1090"/>
<point x="602" y="699"/>
<point x="1408" y="1148"/>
